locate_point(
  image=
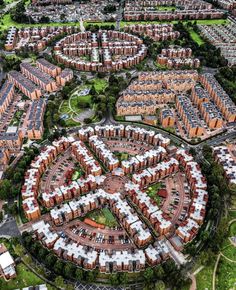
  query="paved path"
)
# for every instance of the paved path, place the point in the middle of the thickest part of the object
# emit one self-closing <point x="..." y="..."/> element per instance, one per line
<point x="214" y="273"/>
<point x="194" y="282"/>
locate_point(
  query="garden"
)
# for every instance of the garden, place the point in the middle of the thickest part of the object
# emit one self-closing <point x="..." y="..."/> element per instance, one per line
<point x="79" y="105"/>
<point x="103" y="216"/>
<point x="152" y="192"/>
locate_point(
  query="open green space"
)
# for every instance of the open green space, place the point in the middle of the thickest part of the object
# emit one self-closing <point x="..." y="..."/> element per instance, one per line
<point x="122" y="156"/>
<point x="152" y="192"/>
<point x="232" y="229"/>
<point x="16" y="118"/>
<point x="99" y="85"/>
<point x="77" y="102"/>
<point x="103" y="216"/>
<point x="225" y="278"/>
<point x="78" y="173"/>
<point x="7" y="22"/>
<point x="165" y="8"/>
<point x="196" y="37"/>
<point x="23" y="279"/>
<point x="204" y="278"/>
<point x="226" y="275"/>
<point x="230" y="252"/>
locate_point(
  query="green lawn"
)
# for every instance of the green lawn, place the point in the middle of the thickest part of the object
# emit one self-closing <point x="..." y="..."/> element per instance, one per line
<point x="24" y="278"/>
<point x="226" y="270"/>
<point x="122" y="156"/>
<point x="232" y="229"/>
<point x="16" y="118"/>
<point x="104" y="217"/>
<point x="196" y="37"/>
<point x="165" y="8"/>
<point x="152" y="192"/>
<point x="232" y="214"/>
<point x="71" y="123"/>
<point x="204" y="278"/>
<point x="230" y="252"/>
<point x="99" y="85"/>
<point x="78" y="173"/>
<point x="7" y="22"/>
<point x="226" y="275"/>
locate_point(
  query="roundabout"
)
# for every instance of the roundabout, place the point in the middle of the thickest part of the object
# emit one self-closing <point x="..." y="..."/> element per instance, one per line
<point x="156" y="198"/>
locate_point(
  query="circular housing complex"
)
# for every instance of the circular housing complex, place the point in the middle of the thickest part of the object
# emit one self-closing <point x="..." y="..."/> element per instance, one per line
<point x="102" y="51"/>
<point x="118" y="198"/>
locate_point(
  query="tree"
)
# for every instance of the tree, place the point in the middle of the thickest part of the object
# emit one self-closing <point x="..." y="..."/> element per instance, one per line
<point x="59" y="281"/>
<point x="50" y="260"/>
<point x="19" y="250"/>
<point x="79" y="274"/>
<point x="158" y="272"/>
<point x="69" y="270"/>
<point x="5" y="189"/>
<point x="148" y="275"/>
<point x="114" y="280"/>
<point x="160" y="285"/>
<point x="58" y="267"/>
<point x="93" y="91"/>
<point x="17" y="177"/>
<point x="87" y="120"/>
<point x="124" y="278"/>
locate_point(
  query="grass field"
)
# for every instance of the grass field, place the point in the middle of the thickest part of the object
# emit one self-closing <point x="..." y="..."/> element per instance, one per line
<point x="204" y="278"/>
<point x="104" y="217"/>
<point x="226" y="275"/>
<point x="232" y="229"/>
<point x="99" y="85"/>
<point x="165" y="8"/>
<point x="196" y="37"/>
<point x="24" y="278"/>
<point x="226" y="270"/>
<point x="7" y="22"/>
<point x="122" y="156"/>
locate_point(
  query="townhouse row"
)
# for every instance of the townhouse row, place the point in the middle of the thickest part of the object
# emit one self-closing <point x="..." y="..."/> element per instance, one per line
<point x="223" y="37"/>
<point x="124" y="212"/>
<point x="219" y="96"/>
<point x="177" y="57"/>
<point x="86" y="159"/>
<point x="154" y="173"/>
<point x="35" y="38"/>
<point x="39" y="165"/>
<point x="225" y="156"/>
<point x="187" y="230"/>
<point x="150" y="14"/>
<point x="103" y="152"/>
<point x="121" y="131"/>
<point x="32" y="81"/>
<point x="158" y="219"/>
<point x="148" y="158"/>
<point x="157" y="32"/>
<point x="108" y="261"/>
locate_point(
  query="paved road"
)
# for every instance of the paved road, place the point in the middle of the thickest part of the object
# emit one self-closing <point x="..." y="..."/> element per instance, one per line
<point x="9" y="228"/>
